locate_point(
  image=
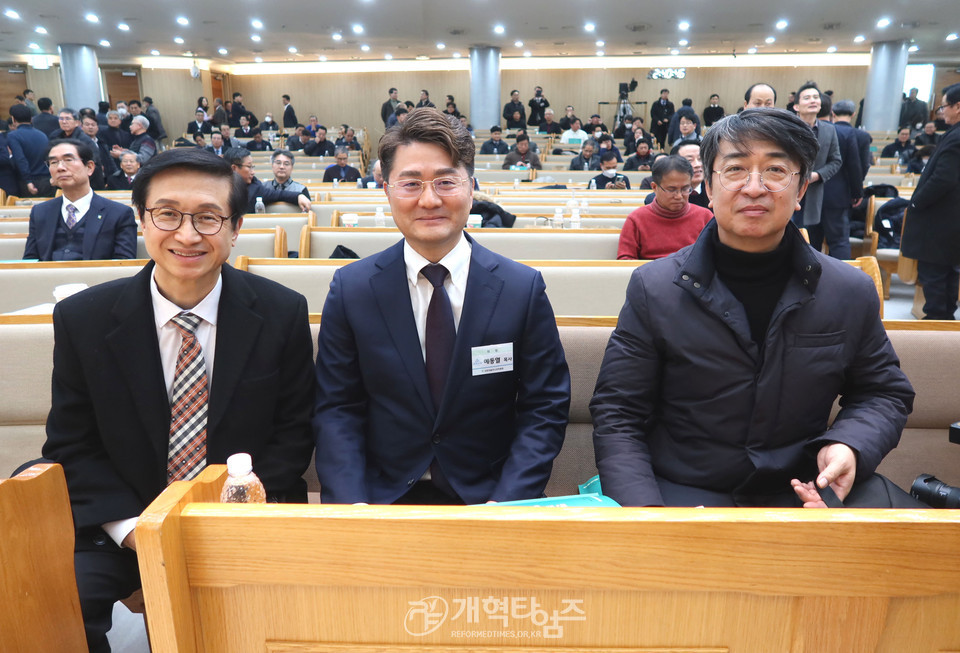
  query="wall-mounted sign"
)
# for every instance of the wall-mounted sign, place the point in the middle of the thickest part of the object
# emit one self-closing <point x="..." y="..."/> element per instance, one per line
<point x="667" y="73"/>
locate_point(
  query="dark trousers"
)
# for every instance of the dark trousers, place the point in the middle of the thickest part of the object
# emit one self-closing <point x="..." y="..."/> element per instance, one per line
<point x="941" y="284"/>
<point x="834" y="227"/>
<point x="43" y="186"/>
<point x="103" y="578"/>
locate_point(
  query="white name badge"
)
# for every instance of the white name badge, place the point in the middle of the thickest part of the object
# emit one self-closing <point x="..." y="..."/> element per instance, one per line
<point x="492" y="359"/>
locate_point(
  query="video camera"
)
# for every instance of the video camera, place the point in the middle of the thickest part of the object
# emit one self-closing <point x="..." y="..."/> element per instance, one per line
<point x="626" y="88"/>
<point x="934" y="492"/>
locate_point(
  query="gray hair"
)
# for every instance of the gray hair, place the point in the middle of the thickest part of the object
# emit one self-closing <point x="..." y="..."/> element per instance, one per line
<point x="143" y="121"/>
<point x="667" y="164"/>
<point x="114" y="113"/>
<point x="286" y="153"/>
<point x="844" y="108"/>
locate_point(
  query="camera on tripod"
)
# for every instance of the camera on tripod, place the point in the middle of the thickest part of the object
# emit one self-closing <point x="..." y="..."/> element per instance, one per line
<point x="934" y="492"/>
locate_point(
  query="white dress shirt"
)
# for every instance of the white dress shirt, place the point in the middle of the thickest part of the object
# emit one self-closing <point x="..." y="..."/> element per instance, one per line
<point x="82" y="204"/>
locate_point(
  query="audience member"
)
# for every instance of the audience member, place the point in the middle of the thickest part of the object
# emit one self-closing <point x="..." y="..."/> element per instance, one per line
<point x="29" y="99"/>
<point x="256" y="143"/>
<point x="268" y="124"/>
<point x="102" y="108"/>
<point x="244" y="130"/>
<point x="289" y="114"/>
<point x="105" y="163"/>
<point x="348" y="141"/>
<point x="220" y="116"/>
<point x="123" y="178"/>
<point x="112" y="134"/>
<point x="199" y="125"/>
<point x="538" y="105"/>
<point x="318" y="145"/>
<point x="216" y="144"/>
<point x="827" y="162"/>
<point x="547" y="125"/>
<point x="204" y="106"/>
<point x="586" y="160"/>
<point x="388" y="108"/>
<point x="45" y="121"/>
<point x="928" y="137"/>
<point x="840" y="194"/>
<point x="281" y="161"/>
<point x="605" y="144"/>
<point x="242" y="164"/>
<point x="374" y="179"/>
<point x="399" y="115"/>
<point x="512" y="108"/>
<point x="523" y="156"/>
<point x="141" y="143"/>
<point x="156" y="130"/>
<point x="713" y="111"/>
<point x="28" y="150"/>
<point x="763" y="95"/>
<point x="609" y="178"/>
<point x="842" y="115"/>
<point x="341" y="170"/>
<point x="642" y="160"/>
<point x="229" y="140"/>
<point x="574" y="135"/>
<point x="496" y="145"/>
<point x="902" y="148"/>
<point x="913" y="112"/>
<point x="425" y="99"/>
<point x="568" y="118"/>
<point x="687" y="130"/>
<point x="661" y="111"/>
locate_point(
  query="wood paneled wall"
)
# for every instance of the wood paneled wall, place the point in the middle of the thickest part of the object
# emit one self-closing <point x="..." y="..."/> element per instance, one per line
<point x="175" y="94"/>
<point x="46" y="83"/>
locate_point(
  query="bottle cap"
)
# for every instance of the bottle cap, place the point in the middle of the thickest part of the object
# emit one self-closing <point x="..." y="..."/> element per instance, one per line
<point x="239" y="464"/>
<point x="259" y="199"/>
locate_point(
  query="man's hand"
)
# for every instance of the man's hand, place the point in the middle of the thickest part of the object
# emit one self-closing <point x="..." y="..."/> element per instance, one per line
<point x="609" y="185"/>
<point x="814" y="177"/>
<point x="116" y="151"/>
<point x="130" y="541"/>
<point x="304" y="203"/>
<point x="838" y="468"/>
<point x="32" y="189"/>
<point x="620" y="185"/>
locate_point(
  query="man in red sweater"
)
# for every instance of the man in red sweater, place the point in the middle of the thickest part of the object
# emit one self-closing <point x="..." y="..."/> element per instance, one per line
<point x="670" y="222"/>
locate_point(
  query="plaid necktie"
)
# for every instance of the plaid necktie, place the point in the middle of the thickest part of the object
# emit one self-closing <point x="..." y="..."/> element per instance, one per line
<point x="71" y="216"/>
<point x="187" y="452"/>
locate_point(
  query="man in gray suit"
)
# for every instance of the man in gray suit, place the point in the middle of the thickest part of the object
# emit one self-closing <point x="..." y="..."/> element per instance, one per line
<point x="827" y="163"/>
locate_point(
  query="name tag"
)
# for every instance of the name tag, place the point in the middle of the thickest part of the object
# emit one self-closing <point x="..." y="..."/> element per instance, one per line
<point x="492" y="359"/>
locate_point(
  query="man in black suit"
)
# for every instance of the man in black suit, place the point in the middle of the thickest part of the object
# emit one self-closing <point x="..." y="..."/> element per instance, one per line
<point x="388" y="107"/>
<point x="216" y="144"/>
<point x="244" y="130"/>
<point x="340" y="170"/>
<point x="116" y="400"/>
<point x="123" y="178"/>
<point x="79" y="225"/>
<point x="289" y="115"/>
<point x="45" y="121"/>
<point x="660" y="113"/>
<point x="242" y="164"/>
<point x="199" y="125"/>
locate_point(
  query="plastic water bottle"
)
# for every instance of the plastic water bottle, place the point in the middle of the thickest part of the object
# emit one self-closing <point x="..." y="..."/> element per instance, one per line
<point x="516" y="184"/>
<point x="575" y="219"/>
<point x="259" y="207"/>
<point x="336" y="182"/>
<point x="380" y="220"/>
<point x="242" y="485"/>
<point x="584" y="207"/>
<point x="593" y="184"/>
<point x="557" y="222"/>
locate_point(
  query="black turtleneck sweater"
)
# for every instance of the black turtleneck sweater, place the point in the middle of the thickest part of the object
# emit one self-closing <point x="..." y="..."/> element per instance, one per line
<point x="756" y="280"/>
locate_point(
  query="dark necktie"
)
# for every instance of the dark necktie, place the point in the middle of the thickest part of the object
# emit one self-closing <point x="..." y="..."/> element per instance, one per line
<point x="440" y="333"/>
<point x="187" y="454"/>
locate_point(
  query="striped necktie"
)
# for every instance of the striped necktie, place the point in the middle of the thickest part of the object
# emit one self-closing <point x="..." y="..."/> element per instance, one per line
<point x="187" y="454"/>
<point x="71" y="216"/>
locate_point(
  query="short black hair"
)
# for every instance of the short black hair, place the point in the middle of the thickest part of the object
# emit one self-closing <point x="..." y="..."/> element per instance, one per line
<point x="393" y="89"/>
<point x="286" y="153"/>
<point x="148" y="99"/>
<point x="687" y="102"/>
<point x="132" y="102"/>
<point x="714" y="95"/>
<point x="103" y="106"/>
<point x="766" y="124"/>
<point x="844" y="107"/>
<point x="285" y="97"/>
<point x="522" y="137"/>
<point x="27" y="91"/>
<point x="70" y="111"/>
<point x="807" y="86"/>
<point x="409" y="104"/>
<point x="667" y="164"/>
<point x="84" y="151"/>
<point x="952" y="93"/>
<point x="495" y="128"/>
<point x="235" y="155"/>
<point x="401" y="109"/>
<point x="237" y="94"/>
<point x="514" y="91"/>
<point x="605" y="137"/>
<point x="664" y="90"/>
<point x="194" y="160"/>
<point x="44" y="103"/>
<point x="609" y="155"/>
<point x="746" y="96"/>
<point x="21" y="113"/>
<point x="425" y="92"/>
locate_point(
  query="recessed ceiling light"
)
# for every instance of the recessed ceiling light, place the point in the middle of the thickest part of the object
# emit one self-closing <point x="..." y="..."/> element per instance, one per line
<point x="336" y="36"/>
<point x="527" y="53"/>
<point x="441" y="46"/>
<point x="782" y="24"/>
<point x="498" y="29"/>
<point x="683" y="42"/>
<point x="11" y="14"/>
<point x="674" y="51"/>
<point x="751" y="51"/>
<point x="422" y="57"/>
<point x="40" y="29"/>
<point x="589" y="27"/>
<point x="388" y="56"/>
<point x="600" y="44"/>
<point x="457" y="55"/>
<point x="123" y="27"/>
<point x="256" y="23"/>
<point x="178" y="40"/>
<point x="33" y="46"/>
<point x="182" y="20"/>
<point x="155" y="53"/>
<point x="357" y="28"/>
<point x="769" y="40"/>
<point x="952" y="36"/>
<point x="292" y="49"/>
<point x="883" y="22"/>
<point x="322" y="57"/>
<point x="683" y="26"/>
<point x="518" y="44"/>
<point x="365" y="47"/>
<point x="255" y="37"/>
<point x="832" y="49"/>
<point x="599" y="53"/>
<point x="93" y="18"/>
<point x="913" y="48"/>
<point x="223" y="51"/>
<point x="859" y="38"/>
<point x="104" y="43"/>
<point x="258" y="59"/>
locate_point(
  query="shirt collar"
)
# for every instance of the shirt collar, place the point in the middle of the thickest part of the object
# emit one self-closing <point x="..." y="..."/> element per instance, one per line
<point x="82" y="204"/>
<point x="164" y="309"/>
<point x="457" y="260"/>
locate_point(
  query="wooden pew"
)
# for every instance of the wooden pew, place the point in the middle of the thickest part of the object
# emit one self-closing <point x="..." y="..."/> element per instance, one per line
<point x="38" y="588"/>
<point x="365" y="579"/>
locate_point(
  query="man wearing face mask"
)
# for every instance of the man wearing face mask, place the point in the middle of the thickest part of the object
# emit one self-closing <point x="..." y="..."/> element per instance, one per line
<point x="538" y="105"/>
<point x="609" y="178"/>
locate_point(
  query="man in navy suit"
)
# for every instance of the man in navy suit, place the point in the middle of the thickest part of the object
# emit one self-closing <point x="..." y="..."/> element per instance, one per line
<point x="441" y="378"/>
<point x="80" y="225"/>
<point x="114" y="421"/>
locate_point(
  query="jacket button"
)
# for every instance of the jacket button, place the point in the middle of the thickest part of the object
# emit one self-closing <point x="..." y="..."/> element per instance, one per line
<point x="100" y="539"/>
<point x="436" y="438"/>
<point x="696" y="284"/>
<point x="685" y="277"/>
<point x="809" y="267"/>
<point x="411" y="482"/>
<point x="806" y="282"/>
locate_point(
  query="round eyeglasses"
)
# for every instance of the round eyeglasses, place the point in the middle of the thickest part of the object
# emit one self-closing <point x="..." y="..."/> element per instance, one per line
<point x="442" y="186"/>
<point x="205" y="222"/>
<point x="773" y="179"/>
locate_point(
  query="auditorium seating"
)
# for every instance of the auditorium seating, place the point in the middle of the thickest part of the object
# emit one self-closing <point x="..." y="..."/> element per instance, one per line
<point x="14" y="225"/>
<point x="250" y="242"/>
<point x="27" y="284"/>
<point x="12" y="246"/>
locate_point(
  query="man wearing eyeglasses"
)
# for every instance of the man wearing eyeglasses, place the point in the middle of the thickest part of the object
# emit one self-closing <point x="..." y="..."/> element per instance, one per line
<point x="242" y="163"/>
<point x="718" y="382"/>
<point x="79" y="225"/>
<point x="183" y="364"/>
<point x="931" y="230"/>
<point x="441" y="378"/>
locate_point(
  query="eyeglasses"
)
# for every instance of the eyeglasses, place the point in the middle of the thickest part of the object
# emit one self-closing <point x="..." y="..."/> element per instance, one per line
<point x="67" y="161"/>
<point x="205" y="222"/>
<point x="944" y="106"/>
<point x="686" y="190"/>
<point x="774" y="179"/>
<point x="442" y="186"/>
<point x="252" y="166"/>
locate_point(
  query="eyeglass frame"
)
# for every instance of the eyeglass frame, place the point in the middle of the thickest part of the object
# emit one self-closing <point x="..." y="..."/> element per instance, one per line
<point x="183" y="214"/>
<point x="686" y="191"/>
<point x="433" y="182"/>
<point x="943" y="106"/>
<point x="719" y="174"/>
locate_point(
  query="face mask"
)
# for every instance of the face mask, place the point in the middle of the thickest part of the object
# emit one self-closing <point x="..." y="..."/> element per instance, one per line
<point x="628" y="125"/>
<point x="122" y="111"/>
<point x="610" y="172"/>
<point x="268" y="119"/>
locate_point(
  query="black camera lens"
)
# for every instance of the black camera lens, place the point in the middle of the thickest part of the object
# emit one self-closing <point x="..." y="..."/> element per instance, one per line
<point x="934" y="492"/>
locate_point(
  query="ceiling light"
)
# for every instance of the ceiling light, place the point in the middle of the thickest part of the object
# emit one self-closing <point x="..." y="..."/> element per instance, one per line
<point x="256" y="23"/>
<point x="223" y="51"/>
<point x="599" y="53"/>
<point x="751" y="51"/>
<point x="527" y="53"/>
<point x="104" y="43"/>
<point x="859" y="38"/>
<point x="336" y="36"/>
<point x="518" y="44"/>
<point x="683" y="26"/>
<point x="883" y="22"/>
<point x="188" y="53"/>
<point x="182" y="20"/>
<point x="357" y="28"/>
<point x="178" y="40"/>
<point x="422" y="57"/>
<point x="769" y="40"/>
<point x="39" y="29"/>
<point x="952" y="36"/>
<point x="155" y="53"/>
<point x="781" y="24"/>
<point x="389" y="56"/>
<point x="123" y="27"/>
<point x="498" y="29"/>
<point x="913" y="48"/>
<point x="457" y="55"/>
<point x="292" y="49"/>
<point x="832" y="49"/>
<point x="33" y="46"/>
<point x="258" y="59"/>
<point x="441" y="46"/>
<point x="255" y="37"/>
<point x="589" y="27"/>
<point x="322" y="57"/>
<point x="365" y="47"/>
<point x="11" y="14"/>
<point x="683" y="42"/>
<point x="674" y="51"/>
<point x="93" y="18"/>
<point x="600" y="44"/>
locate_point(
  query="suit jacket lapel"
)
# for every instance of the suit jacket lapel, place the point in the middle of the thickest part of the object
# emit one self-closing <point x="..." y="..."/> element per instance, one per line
<point x="137" y="351"/>
<point x="390" y="289"/>
<point x="47" y="229"/>
<point x="238" y="328"/>
<point x="93" y="221"/>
